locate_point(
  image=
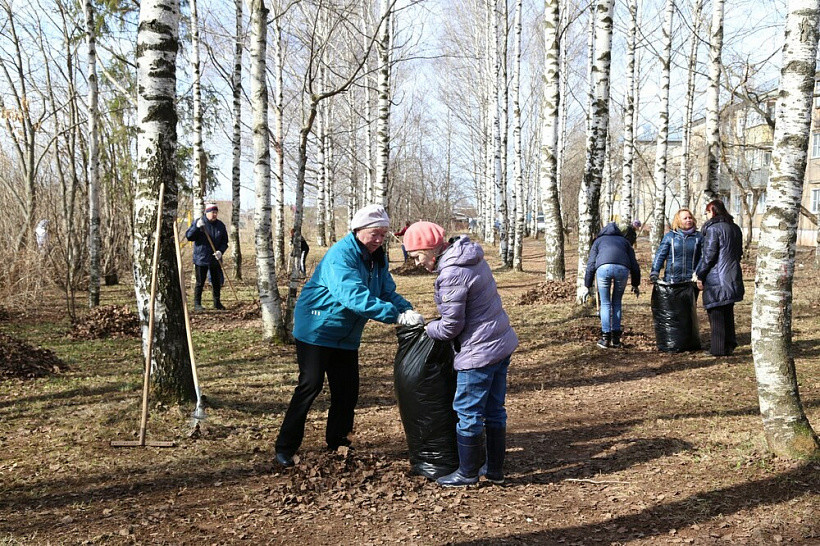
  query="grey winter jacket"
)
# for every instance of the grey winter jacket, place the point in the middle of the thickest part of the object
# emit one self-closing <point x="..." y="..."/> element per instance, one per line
<point x="719" y="266"/>
<point x="678" y="255"/>
<point x="471" y="312"/>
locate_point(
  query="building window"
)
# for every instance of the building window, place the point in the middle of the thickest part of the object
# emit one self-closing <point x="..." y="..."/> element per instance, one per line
<point x="767" y="158"/>
<point x="736" y="203"/>
<point x="815" y="201"/>
<point x="817" y="94"/>
<point x="815" y="145"/>
<point x="761" y="203"/>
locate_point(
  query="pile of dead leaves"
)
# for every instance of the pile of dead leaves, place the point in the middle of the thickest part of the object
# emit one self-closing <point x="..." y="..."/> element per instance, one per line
<point x="19" y="359"/>
<point x="549" y="292"/>
<point x="409" y="268"/>
<point x="110" y="321"/>
<point x="246" y="310"/>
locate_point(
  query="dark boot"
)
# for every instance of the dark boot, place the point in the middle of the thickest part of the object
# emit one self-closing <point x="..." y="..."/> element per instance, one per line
<point x="217" y="300"/>
<point x="605" y="340"/>
<point x="471" y="452"/>
<point x="496" y="450"/>
<point x="615" y="342"/>
<point x="198" y="298"/>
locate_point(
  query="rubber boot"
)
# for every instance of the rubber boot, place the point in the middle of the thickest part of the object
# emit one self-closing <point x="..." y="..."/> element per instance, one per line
<point x="615" y="342"/>
<point x="604" y="342"/>
<point x="198" y="298"/>
<point x="471" y="452"/>
<point x="496" y="450"/>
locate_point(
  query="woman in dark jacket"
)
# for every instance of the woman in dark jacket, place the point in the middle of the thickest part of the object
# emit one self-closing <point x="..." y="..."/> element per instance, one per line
<point x="611" y="261"/>
<point x="679" y="251"/>
<point x="721" y="277"/>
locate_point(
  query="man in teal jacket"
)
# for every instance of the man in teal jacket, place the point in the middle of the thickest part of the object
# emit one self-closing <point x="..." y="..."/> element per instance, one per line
<point x="351" y="285"/>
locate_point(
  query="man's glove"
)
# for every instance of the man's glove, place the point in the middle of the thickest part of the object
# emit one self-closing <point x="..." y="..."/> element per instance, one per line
<point x="200" y="223"/>
<point x="411" y="318"/>
<point x="218" y="256"/>
<point x="653" y="277"/>
<point x="583" y="294"/>
<point x="636" y="290"/>
<point x="695" y="277"/>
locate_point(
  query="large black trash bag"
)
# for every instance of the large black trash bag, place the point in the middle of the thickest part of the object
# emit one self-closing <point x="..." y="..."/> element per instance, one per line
<point x="674" y="310"/>
<point x="425" y="387"/>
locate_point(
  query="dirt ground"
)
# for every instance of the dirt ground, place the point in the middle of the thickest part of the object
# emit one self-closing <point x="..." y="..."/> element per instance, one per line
<point x="626" y="446"/>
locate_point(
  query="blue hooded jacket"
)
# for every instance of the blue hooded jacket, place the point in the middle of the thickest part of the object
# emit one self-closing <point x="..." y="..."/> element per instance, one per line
<point x="348" y="287"/>
<point x="681" y="254"/>
<point x="203" y="253"/>
<point x="610" y="247"/>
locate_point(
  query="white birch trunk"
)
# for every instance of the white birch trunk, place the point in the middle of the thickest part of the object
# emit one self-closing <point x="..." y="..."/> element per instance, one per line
<point x="589" y="194"/>
<point x="662" y="147"/>
<point x="383" y="122"/>
<point x="236" y="141"/>
<point x="279" y="144"/>
<point x="368" y="192"/>
<point x="683" y="190"/>
<point x="94" y="240"/>
<point x="321" y="176"/>
<point x="269" y="300"/>
<point x="518" y="159"/>
<point x="199" y="152"/>
<point x="157" y="46"/>
<point x="629" y="113"/>
<point x="713" y="102"/>
<point x="548" y="176"/>
<point x="787" y="430"/>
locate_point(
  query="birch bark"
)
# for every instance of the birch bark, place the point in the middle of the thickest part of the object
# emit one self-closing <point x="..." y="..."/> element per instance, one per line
<point x="236" y="141"/>
<point x="94" y="240"/>
<point x="786" y="427"/>
<point x="684" y="189"/>
<point x="589" y="194"/>
<point x="548" y="177"/>
<point x="713" y="102"/>
<point x="157" y="46"/>
<point x="518" y="159"/>
<point x="629" y="112"/>
<point x="199" y="152"/>
<point x="273" y="327"/>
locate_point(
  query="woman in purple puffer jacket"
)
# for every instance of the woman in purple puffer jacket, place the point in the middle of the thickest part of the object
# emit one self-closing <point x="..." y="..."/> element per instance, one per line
<point x="473" y="318"/>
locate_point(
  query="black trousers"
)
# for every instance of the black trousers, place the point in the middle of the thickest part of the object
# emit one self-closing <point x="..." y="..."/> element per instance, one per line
<point x="722" y="325"/>
<point x="202" y="276"/>
<point x="342" y="369"/>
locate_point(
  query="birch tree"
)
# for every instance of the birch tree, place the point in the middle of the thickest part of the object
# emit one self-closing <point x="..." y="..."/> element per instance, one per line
<point x="629" y="113"/>
<point x="236" y="140"/>
<point x="518" y="159"/>
<point x="279" y="138"/>
<point x="713" y="102"/>
<point x="548" y="178"/>
<point x="383" y="120"/>
<point x="199" y="152"/>
<point x="157" y="46"/>
<point x="273" y="327"/>
<point x="662" y="147"/>
<point x="787" y="429"/>
<point x="94" y="242"/>
<point x="590" y="191"/>
<point x="686" y="137"/>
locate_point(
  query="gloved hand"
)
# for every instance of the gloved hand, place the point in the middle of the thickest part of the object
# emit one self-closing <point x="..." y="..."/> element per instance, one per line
<point x="695" y="277"/>
<point x="218" y="256"/>
<point x="636" y="290"/>
<point x="411" y="318"/>
<point x="200" y="223"/>
<point x="583" y="294"/>
<point x="653" y="277"/>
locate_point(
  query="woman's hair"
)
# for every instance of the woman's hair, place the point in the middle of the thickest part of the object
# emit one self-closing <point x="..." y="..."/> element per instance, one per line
<point x="677" y="223"/>
<point x="717" y="208"/>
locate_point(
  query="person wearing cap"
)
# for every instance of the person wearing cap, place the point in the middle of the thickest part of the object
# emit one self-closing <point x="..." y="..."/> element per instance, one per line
<point x="206" y="259"/>
<point x="350" y="285"/>
<point x="473" y="318"/>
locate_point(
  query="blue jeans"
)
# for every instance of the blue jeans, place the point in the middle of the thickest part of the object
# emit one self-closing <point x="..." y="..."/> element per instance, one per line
<point x="611" y="285"/>
<point x="479" y="400"/>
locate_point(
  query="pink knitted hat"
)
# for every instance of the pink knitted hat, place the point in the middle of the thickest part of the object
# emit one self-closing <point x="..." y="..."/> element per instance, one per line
<point x="423" y="236"/>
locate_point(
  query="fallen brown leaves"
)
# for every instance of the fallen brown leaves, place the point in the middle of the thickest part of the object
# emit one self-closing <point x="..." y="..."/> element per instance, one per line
<point x="19" y="359"/>
<point x="110" y="321"/>
<point x="549" y="292"/>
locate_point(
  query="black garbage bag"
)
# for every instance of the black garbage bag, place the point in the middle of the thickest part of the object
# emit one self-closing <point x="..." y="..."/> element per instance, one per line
<point x="425" y="387"/>
<point x="674" y="310"/>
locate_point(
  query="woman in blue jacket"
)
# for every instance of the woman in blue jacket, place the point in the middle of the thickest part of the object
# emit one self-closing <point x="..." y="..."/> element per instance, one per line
<point x="721" y="277"/>
<point x="350" y="285"/>
<point x="611" y="262"/>
<point x="679" y="251"/>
